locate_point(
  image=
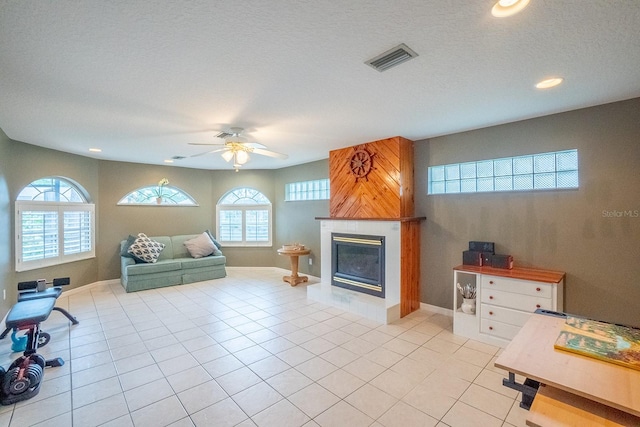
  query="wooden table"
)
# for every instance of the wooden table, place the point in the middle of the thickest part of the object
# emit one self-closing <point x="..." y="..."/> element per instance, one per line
<point x="294" y="279"/>
<point x="555" y="407"/>
<point x="571" y="382"/>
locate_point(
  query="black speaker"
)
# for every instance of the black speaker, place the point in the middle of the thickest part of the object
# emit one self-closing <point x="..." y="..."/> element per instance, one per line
<point x="472" y="258"/>
<point x="502" y="261"/>
<point x="482" y="247"/>
<point x="486" y="259"/>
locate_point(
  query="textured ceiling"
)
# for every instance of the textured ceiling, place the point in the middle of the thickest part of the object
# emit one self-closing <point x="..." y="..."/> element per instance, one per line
<point x="142" y="79"/>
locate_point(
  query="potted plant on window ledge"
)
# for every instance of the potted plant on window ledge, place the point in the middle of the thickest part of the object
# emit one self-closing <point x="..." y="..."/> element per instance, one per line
<point x="160" y="190"/>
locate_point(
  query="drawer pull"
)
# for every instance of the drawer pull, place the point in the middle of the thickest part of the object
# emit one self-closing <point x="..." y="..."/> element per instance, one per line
<point x="490" y="296"/>
<point x="491" y="328"/>
<point x="491" y="282"/>
<point x="537" y="305"/>
<point x="491" y="313"/>
<point x="538" y="289"/>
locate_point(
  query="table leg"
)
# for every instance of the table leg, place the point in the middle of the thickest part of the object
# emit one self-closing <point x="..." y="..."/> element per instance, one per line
<point x="529" y="389"/>
<point x="294" y="279"/>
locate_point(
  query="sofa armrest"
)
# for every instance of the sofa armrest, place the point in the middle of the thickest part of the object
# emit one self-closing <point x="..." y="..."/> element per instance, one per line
<point x="124" y="262"/>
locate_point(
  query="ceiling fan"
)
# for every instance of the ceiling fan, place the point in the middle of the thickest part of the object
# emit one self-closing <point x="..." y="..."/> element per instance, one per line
<point x="237" y="148"/>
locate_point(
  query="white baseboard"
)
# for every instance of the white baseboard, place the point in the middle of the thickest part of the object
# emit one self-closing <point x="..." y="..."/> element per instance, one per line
<point x="90" y="286"/>
<point x="283" y="271"/>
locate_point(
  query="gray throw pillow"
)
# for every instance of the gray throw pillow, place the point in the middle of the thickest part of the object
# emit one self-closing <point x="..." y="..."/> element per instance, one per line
<point x="200" y="246"/>
<point x="125" y="249"/>
<point x="218" y="250"/>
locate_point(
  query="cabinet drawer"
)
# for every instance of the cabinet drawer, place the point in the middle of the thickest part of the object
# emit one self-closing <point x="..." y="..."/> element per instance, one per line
<point x="516" y="301"/>
<point x="518" y="286"/>
<point x="498" y="329"/>
<point x="504" y="315"/>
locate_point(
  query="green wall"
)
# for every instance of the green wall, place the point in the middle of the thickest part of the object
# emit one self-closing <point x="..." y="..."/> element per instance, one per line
<point x="20" y="165"/>
<point x="295" y="220"/>
<point x="563" y="230"/>
<point x="560" y="230"/>
<point x="206" y="187"/>
<point x="6" y="239"/>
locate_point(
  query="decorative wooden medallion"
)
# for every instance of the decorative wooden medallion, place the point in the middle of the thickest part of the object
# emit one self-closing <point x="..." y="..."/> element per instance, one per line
<point x="361" y="163"/>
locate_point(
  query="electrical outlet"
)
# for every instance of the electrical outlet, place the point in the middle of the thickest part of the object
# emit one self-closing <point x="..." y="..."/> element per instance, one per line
<point x="310" y="261"/>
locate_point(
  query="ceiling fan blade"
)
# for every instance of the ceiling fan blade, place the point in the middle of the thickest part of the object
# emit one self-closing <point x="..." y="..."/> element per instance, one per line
<point x="270" y="153"/>
<point x="254" y="145"/>
<point x="211" y="151"/>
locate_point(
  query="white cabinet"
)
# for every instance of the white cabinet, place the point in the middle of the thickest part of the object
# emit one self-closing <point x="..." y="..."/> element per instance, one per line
<point x="504" y="300"/>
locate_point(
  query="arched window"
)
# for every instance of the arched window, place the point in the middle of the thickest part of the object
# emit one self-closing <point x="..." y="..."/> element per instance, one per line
<point x="55" y="224"/>
<point x="243" y="218"/>
<point x="160" y="194"/>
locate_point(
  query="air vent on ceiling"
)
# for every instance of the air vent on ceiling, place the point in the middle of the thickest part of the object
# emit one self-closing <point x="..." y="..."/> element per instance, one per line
<point x="391" y="58"/>
<point x="178" y="157"/>
<point x="223" y="135"/>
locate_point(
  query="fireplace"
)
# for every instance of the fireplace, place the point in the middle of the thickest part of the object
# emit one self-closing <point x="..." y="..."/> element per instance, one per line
<point x="358" y="263"/>
<point x="372" y="199"/>
<point x="385" y="308"/>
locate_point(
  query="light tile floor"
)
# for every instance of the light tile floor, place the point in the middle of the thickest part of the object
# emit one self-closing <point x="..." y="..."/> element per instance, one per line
<point x="249" y="350"/>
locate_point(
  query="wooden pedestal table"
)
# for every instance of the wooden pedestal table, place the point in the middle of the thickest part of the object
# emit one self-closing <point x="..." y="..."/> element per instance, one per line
<point x="294" y="279"/>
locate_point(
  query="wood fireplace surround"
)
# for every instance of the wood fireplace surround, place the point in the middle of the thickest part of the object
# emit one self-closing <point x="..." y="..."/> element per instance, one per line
<point x="372" y="188"/>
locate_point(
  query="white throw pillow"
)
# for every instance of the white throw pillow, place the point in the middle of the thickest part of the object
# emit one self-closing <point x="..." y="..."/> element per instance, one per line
<point x="200" y="246"/>
<point x="144" y="249"/>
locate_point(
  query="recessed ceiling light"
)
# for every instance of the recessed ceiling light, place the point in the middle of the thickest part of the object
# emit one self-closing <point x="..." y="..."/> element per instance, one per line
<point x="95" y="150"/>
<point x="168" y="161"/>
<point x="504" y="8"/>
<point x="549" y="83"/>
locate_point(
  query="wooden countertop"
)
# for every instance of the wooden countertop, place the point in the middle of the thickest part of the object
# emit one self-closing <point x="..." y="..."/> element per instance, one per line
<point x="531" y="354"/>
<point x="536" y="275"/>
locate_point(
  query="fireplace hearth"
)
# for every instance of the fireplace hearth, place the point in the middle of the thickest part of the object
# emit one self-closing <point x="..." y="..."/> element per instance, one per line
<point x="358" y="263"/>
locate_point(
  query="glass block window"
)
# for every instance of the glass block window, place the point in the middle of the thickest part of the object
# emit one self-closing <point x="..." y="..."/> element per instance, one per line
<point x="243" y="218"/>
<point x="55" y="224"/>
<point x="545" y="171"/>
<point x="307" y="190"/>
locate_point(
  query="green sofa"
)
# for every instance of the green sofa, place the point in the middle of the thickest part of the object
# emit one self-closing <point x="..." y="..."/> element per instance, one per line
<point x="175" y="266"/>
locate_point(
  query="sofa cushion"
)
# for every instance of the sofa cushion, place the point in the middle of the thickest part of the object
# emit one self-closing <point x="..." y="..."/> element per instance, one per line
<point x="209" y="261"/>
<point x="148" y="268"/>
<point x="179" y="249"/>
<point x="167" y="253"/>
<point x="145" y="249"/>
<point x="200" y="246"/>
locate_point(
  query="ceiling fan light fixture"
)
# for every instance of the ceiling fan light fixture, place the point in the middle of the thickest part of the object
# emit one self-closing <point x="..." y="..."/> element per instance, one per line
<point x="227" y="155"/>
<point x="505" y="8"/>
<point x="242" y="157"/>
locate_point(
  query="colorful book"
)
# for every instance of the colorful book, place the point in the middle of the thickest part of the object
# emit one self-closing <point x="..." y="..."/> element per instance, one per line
<point x="605" y="341"/>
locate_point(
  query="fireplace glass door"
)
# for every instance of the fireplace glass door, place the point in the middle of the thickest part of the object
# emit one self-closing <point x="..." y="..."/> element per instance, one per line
<point x="357" y="263"/>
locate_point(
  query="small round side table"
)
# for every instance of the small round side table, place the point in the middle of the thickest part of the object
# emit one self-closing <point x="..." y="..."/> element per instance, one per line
<point x="294" y="279"/>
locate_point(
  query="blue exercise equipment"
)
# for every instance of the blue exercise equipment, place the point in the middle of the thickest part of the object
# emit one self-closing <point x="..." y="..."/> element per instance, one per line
<point x="23" y="378"/>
